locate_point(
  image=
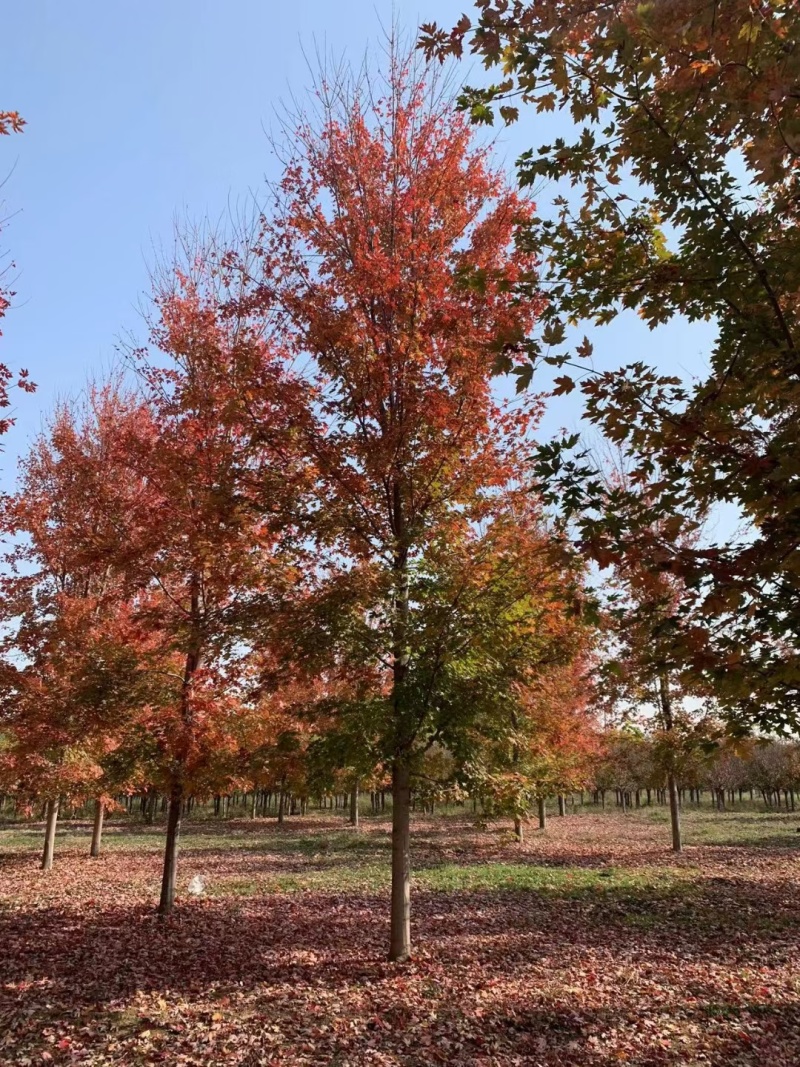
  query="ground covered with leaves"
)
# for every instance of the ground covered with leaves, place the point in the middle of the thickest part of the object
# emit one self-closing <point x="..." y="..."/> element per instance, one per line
<point x="589" y="945"/>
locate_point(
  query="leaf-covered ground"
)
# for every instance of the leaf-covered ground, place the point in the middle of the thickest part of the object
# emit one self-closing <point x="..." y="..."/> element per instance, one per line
<point x="591" y="945"/>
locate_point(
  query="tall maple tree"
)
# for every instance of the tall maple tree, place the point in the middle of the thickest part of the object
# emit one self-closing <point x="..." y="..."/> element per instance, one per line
<point x="393" y="258"/>
<point x="684" y="165"/>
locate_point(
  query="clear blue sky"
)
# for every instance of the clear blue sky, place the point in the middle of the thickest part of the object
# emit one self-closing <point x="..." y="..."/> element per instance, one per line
<point x="140" y="112"/>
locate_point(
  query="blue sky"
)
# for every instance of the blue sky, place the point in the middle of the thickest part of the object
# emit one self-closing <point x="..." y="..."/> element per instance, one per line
<point x="141" y="113"/>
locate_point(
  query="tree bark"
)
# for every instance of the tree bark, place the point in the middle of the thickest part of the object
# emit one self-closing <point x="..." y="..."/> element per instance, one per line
<point x="562" y="809"/>
<point x="50" y="834"/>
<point x="400" y="926"/>
<point x="518" y="831"/>
<point x="354" y="805"/>
<point x="170" y="874"/>
<point x="674" y="814"/>
<point x="672" y="788"/>
<point x="97" y="829"/>
<point x="542" y="814"/>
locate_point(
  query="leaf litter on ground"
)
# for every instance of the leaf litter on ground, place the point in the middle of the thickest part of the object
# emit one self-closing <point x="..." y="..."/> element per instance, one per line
<point x="589" y="946"/>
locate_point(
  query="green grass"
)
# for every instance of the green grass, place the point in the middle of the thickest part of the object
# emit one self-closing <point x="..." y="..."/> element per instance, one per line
<point x="448" y="878"/>
<point x="750" y="829"/>
<point x="562" y="881"/>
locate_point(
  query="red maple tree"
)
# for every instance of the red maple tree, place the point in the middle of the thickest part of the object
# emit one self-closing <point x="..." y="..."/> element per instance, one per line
<point x="392" y="256"/>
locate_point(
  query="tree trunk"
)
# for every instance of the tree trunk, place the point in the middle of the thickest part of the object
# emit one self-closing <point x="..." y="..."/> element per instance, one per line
<point x="562" y="809"/>
<point x="518" y="832"/>
<point x="542" y="814"/>
<point x="672" y="788"/>
<point x="170" y="874"/>
<point x="97" y="829"/>
<point x="281" y="806"/>
<point x="400" y="933"/>
<point x="50" y="834"/>
<point x="674" y="814"/>
<point x="354" y="805"/>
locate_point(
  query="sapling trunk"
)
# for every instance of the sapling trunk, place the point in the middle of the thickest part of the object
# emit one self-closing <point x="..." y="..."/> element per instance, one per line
<point x="169" y="877"/>
<point x="150" y="808"/>
<point x="518" y="831"/>
<point x="542" y="814"/>
<point x="97" y="828"/>
<point x="50" y="833"/>
<point x="672" y="788"/>
<point x="400" y="931"/>
<point x="354" y="805"/>
<point x="674" y="813"/>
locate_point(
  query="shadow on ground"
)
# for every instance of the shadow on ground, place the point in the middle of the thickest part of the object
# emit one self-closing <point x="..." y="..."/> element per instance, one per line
<point x="503" y="977"/>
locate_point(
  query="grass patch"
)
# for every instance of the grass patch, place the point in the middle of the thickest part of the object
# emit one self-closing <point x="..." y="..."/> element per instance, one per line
<point x="560" y="881"/>
<point x="449" y="877"/>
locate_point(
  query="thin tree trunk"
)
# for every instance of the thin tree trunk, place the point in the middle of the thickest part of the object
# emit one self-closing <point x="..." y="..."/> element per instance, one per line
<point x="170" y="874"/>
<point x="562" y="810"/>
<point x="354" y="805"/>
<point x="518" y="831"/>
<point x="672" y="788"/>
<point x="281" y="807"/>
<point x="400" y="932"/>
<point x="97" y="829"/>
<point x="542" y="814"/>
<point x="50" y="834"/>
<point x="674" y="814"/>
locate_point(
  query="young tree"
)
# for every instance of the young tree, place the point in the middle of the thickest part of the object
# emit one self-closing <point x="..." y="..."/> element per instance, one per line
<point x="216" y="536"/>
<point x="648" y="636"/>
<point x="394" y="259"/>
<point x="517" y="674"/>
<point x="69" y="643"/>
